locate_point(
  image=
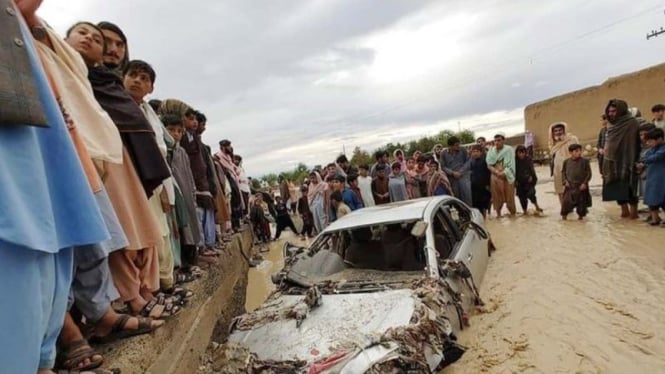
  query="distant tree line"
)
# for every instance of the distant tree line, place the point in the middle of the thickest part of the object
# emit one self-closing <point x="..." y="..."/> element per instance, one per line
<point x="360" y="156"/>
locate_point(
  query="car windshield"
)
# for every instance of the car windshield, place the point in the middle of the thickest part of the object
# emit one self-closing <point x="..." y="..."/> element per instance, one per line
<point x="379" y="252"/>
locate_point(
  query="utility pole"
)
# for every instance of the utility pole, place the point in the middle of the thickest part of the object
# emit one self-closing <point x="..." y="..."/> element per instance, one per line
<point x="655" y="33"/>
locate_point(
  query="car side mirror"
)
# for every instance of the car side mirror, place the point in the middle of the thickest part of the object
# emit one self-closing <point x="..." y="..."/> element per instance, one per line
<point x="419" y="229"/>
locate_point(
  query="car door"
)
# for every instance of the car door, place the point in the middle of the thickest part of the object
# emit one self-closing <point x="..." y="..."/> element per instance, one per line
<point x="472" y="247"/>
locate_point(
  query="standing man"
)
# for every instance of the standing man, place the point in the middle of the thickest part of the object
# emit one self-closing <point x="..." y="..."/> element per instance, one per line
<point x="560" y="140"/>
<point x="382" y="162"/>
<point x="455" y="162"/>
<point x="47" y="204"/>
<point x="602" y="136"/>
<point x="658" y="112"/>
<point x="622" y="151"/>
<point x="501" y="163"/>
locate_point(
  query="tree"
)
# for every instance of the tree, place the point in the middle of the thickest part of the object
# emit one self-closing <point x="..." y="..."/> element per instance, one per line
<point x="360" y="157"/>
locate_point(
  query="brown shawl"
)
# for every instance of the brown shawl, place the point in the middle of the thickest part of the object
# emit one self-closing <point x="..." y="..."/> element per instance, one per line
<point x="135" y="130"/>
<point x="622" y="146"/>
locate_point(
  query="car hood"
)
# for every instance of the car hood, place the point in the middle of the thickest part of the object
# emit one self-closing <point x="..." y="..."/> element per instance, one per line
<point x="341" y="321"/>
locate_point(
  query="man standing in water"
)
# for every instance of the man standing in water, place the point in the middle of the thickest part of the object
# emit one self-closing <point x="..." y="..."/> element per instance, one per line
<point x="501" y="162"/>
<point x="560" y="140"/>
<point x="622" y="151"/>
<point x="455" y="162"/>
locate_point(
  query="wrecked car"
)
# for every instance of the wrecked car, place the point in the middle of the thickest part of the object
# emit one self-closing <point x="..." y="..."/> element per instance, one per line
<point x="382" y="290"/>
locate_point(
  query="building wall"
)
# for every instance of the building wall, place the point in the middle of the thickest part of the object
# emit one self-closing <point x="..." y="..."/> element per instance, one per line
<point x="582" y="109"/>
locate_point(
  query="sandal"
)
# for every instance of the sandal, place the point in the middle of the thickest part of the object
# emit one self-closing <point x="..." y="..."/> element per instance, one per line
<point x="170" y="310"/>
<point x="118" y="330"/>
<point x="208" y="253"/>
<point x="181" y="277"/>
<point x="180" y="292"/>
<point x="71" y="357"/>
<point x="151" y="310"/>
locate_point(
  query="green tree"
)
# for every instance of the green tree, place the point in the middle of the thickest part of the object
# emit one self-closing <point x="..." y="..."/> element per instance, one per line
<point x="360" y="157"/>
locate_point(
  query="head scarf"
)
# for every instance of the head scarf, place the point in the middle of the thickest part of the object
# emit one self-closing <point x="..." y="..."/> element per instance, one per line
<point x="319" y="188"/>
<point x="114" y="28"/>
<point x="174" y="107"/>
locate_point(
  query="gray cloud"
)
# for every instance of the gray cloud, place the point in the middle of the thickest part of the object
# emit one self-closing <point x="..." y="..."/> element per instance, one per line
<point x="296" y="80"/>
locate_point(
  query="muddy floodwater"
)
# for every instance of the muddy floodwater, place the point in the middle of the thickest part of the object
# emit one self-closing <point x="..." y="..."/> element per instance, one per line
<point x="561" y="297"/>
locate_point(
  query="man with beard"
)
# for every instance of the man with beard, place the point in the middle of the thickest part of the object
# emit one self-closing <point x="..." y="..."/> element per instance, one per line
<point x="560" y="140"/>
<point x="658" y="112"/>
<point x="455" y="162"/>
<point x="622" y="151"/>
<point x="116" y="54"/>
<point x="225" y="157"/>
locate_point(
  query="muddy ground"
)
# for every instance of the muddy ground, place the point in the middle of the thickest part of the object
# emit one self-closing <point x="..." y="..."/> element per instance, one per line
<point x="561" y="297"/>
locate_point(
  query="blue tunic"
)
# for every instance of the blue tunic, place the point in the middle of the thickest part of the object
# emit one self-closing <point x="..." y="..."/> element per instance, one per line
<point x="654" y="190"/>
<point x="46" y="201"/>
<point x="459" y="162"/>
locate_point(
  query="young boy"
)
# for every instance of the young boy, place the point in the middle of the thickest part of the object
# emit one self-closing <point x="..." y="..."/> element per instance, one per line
<point x="525" y="179"/>
<point x="576" y="176"/>
<point x="365" y="185"/>
<point x="283" y="218"/>
<point x="188" y="223"/>
<point x="338" y="203"/>
<point x="480" y="180"/>
<point x="305" y="213"/>
<point x="654" y="159"/>
<point x="640" y="169"/>
<point x="257" y="216"/>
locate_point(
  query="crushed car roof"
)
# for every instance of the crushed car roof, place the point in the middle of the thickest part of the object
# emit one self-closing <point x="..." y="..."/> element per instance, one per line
<point x="395" y="212"/>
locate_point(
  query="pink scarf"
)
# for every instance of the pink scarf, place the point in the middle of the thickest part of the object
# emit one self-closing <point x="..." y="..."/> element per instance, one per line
<point x="227" y="163"/>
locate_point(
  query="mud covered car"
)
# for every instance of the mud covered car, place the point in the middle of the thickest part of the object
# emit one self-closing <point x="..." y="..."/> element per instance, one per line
<point x="382" y="290"/>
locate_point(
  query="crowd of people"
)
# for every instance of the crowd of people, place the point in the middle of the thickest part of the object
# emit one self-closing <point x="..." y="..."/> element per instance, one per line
<point x="631" y="159"/>
<point x="109" y="198"/>
<point x="110" y="203"/>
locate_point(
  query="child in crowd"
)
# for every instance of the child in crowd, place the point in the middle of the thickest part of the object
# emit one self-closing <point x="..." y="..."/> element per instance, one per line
<point x="654" y="160"/>
<point x="257" y="217"/>
<point x="365" y="185"/>
<point x="305" y="213"/>
<point x="525" y="179"/>
<point x="341" y="209"/>
<point x="480" y="180"/>
<point x="283" y="219"/>
<point x="641" y="170"/>
<point x="576" y="176"/>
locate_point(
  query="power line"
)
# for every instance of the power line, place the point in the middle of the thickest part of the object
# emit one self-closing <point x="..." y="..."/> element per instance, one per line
<point x="497" y="68"/>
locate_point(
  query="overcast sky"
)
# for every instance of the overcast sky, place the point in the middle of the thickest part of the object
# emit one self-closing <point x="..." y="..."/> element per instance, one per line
<point x="290" y="81"/>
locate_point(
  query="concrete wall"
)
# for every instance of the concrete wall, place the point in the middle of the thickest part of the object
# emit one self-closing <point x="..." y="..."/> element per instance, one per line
<point x="176" y="347"/>
<point x="582" y="109"/>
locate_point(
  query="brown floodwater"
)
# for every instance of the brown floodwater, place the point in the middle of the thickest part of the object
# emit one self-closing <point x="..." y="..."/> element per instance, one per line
<point x="561" y="297"/>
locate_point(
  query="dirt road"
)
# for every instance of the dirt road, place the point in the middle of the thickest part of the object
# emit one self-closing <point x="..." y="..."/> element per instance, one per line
<point x="570" y="297"/>
<point x="561" y="297"/>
